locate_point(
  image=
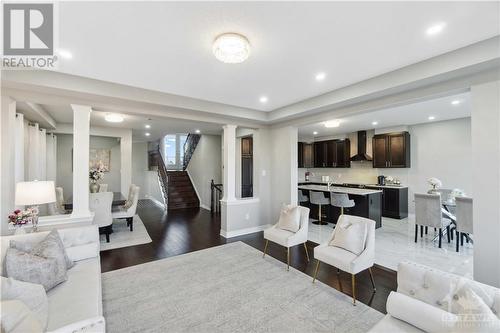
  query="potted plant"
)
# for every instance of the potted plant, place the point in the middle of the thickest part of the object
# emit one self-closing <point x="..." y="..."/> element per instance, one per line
<point x="95" y="174"/>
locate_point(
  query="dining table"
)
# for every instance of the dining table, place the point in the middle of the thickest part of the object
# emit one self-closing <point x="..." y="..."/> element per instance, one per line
<point x="118" y="200"/>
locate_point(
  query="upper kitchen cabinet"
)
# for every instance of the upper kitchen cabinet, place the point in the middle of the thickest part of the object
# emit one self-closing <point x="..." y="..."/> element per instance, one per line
<point x="305" y="155"/>
<point x="391" y="150"/>
<point x="332" y="154"/>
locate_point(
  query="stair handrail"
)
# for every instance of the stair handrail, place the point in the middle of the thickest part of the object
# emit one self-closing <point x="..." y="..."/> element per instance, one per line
<point x="189" y="148"/>
<point x="162" y="172"/>
<point x="215" y="196"/>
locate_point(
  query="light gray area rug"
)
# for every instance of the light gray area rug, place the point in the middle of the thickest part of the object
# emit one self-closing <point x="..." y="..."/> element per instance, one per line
<point x="123" y="237"/>
<point x="229" y="288"/>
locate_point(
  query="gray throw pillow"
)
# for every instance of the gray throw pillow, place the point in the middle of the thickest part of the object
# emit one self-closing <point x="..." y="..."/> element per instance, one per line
<point x="31" y="268"/>
<point x="51" y="247"/>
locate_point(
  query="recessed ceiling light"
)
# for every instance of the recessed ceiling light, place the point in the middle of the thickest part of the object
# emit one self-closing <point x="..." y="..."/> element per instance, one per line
<point x="147" y="126"/>
<point x="320" y="76"/>
<point x="455" y="102"/>
<point x="113" y="118"/>
<point x="374" y="123"/>
<point x="197" y="131"/>
<point x="231" y="48"/>
<point x="263" y="99"/>
<point x="147" y="134"/>
<point x="435" y="29"/>
<point x="315" y="133"/>
<point x="431" y="118"/>
<point x="65" y="54"/>
<point x="332" y="123"/>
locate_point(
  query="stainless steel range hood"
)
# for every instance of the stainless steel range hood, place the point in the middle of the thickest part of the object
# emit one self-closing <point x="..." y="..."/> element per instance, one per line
<point x="361" y="155"/>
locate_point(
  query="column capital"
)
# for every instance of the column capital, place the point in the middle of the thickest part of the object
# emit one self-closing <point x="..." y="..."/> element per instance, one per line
<point x="229" y="126"/>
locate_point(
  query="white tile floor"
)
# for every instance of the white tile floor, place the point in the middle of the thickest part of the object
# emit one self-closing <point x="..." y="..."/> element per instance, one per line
<point x="395" y="242"/>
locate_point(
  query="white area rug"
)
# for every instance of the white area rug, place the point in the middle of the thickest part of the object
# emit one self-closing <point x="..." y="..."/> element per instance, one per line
<point x="229" y="288"/>
<point x="123" y="237"/>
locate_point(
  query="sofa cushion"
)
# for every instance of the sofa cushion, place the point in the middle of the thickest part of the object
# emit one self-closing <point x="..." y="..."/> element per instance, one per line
<point x="278" y="235"/>
<point x="289" y="218"/>
<point x="31" y="268"/>
<point x="79" y="298"/>
<point x="32" y="295"/>
<point x="429" y="319"/>
<point x="17" y="318"/>
<point x="350" y="236"/>
<point x="335" y="256"/>
<point x="389" y="324"/>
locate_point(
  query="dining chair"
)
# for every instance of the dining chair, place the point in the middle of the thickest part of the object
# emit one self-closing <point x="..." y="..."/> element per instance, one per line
<point x="318" y="198"/>
<point x="428" y="213"/>
<point x="57" y="208"/>
<point x="302" y="197"/>
<point x="353" y="232"/>
<point x="128" y="210"/>
<point x="288" y="238"/>
<point x="103" y="187"/>
<point x="464" y="220"/>
<point x="100" y="204"/>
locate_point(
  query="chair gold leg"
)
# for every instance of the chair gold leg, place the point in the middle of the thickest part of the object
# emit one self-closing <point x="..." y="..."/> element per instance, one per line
<point x="316" y="271"/>
<point x="341" y="210"/>
<point x="288" y="258"/>
<point x="319" y="214"/>
<point x="307" y="253"/>
<point x="353" y="282"/>
<point x="265" y="248"/>
<point x="371" y="278"/>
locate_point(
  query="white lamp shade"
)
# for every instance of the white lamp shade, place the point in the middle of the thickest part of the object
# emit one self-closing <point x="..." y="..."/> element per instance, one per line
<point x="35" y="193"/>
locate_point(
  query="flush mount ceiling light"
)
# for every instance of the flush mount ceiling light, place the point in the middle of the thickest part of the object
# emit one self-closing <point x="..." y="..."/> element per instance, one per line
<point x="435" y="29"/>
<point x="332" y="123"/>
<point x="456" y="102"/>
<point x="231" y="48"/>
<point x="320" y="76"/>
<point x="113" y="118"/>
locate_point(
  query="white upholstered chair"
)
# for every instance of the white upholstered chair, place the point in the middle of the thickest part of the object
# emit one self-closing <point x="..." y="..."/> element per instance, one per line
<point x="128" y="210"/>
<point x="288" y="238"/>
<point x="428" y="213"/>
<point x="100" y="204"/>
<point x="463" y="216"/>
<point x="103" y="187"/>
<point x="345" y="260"/>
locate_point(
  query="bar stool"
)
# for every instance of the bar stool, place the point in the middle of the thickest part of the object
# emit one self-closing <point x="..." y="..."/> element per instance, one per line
<point x="301" y="197"/>
<point x="341" y="200"/>
<point x="318" y="198"/>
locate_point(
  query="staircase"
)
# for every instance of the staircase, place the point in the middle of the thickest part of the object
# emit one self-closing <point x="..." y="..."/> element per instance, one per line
<point x="155" y="163"/>
<point x="181" y="193"/>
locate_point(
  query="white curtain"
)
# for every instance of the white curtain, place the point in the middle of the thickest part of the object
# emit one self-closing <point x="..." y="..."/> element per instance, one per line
<point x="33" y="156"/>
<point x="19" y="149"/>
<point x="42" y="142"/>
<point x="51" y="156"/>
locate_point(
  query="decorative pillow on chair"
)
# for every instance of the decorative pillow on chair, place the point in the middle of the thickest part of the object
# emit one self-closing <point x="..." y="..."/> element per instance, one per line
<point x="350" y="236"/>
<point x="31" y="268"/>
<point x="32" y="295"/>
<point x="289" y="218"/>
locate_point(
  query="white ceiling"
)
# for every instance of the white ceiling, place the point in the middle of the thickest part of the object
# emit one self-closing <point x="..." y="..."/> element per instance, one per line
<point x="411" y="114"/>
<point x="166" y="46"/>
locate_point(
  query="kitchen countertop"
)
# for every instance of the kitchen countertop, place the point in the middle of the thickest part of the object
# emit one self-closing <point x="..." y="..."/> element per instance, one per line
<point x="339" y="189"/>
<point x="357" y="184"/>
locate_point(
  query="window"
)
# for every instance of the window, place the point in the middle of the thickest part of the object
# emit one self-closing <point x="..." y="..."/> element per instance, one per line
<point x="174" y="150"/>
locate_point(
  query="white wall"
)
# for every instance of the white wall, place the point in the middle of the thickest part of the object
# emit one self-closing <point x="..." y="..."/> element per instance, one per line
<point x="140" y="167"/>
<point x="205" y="165"/>
<point x="438" y="149"/>
<point x="65" y="162"/>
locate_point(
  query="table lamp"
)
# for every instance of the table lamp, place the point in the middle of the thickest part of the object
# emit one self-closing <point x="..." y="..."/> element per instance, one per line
<point x="33" y="194"/>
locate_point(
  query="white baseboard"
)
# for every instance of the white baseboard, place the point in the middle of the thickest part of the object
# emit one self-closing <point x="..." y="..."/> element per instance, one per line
<point x="246" y="231"/>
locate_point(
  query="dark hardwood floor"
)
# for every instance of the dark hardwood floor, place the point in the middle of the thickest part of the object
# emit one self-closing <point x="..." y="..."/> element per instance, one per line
<point x="186" y="230"/>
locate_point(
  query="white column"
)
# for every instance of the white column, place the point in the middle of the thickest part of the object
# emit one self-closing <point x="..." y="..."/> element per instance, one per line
<point x="229" y="163"/>
<point x="81" y="144"/>
<point x="486" y="179"/>
<point x="126" y="162"/>
<point x="7" y="160"/>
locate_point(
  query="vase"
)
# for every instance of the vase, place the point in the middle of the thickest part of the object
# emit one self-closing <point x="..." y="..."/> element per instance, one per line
<point x="19" y="230"/>
<point x="94" y="187"/>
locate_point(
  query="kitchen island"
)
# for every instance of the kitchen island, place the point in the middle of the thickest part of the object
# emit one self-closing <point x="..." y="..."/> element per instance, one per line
<point x="367" y="203"/>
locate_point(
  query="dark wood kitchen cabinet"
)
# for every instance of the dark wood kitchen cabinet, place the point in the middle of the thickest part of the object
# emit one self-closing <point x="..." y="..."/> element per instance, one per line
<point x="332" y="154"/>
<point x="395" y="202"/>
<point x="320" y="152"/>
<point x="391" y="150"/>
<point x="305" y="155"/>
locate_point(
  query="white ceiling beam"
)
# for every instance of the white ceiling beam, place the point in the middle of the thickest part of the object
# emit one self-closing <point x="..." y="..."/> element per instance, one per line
<point x="40" y="111"/>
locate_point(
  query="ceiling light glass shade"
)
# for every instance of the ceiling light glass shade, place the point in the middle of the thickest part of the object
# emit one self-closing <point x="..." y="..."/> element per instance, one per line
<point x="332" y="123"/>
<point x="231" y="48"/>
<point x="113" y="118"/>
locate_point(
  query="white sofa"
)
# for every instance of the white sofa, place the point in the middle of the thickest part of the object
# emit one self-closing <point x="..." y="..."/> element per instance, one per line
<point x="430" y="286"/>
<point x="76" y="304"/>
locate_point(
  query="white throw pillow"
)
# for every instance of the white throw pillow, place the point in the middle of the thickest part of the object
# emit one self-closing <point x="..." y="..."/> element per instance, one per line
<point x="420" y="314"/>
<point x="289" y="218"/>
<point x="17" y="318"/>
<point x="473" y="313"/>
<point x="350" y="236"/>
<point x="31" y="294"/>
